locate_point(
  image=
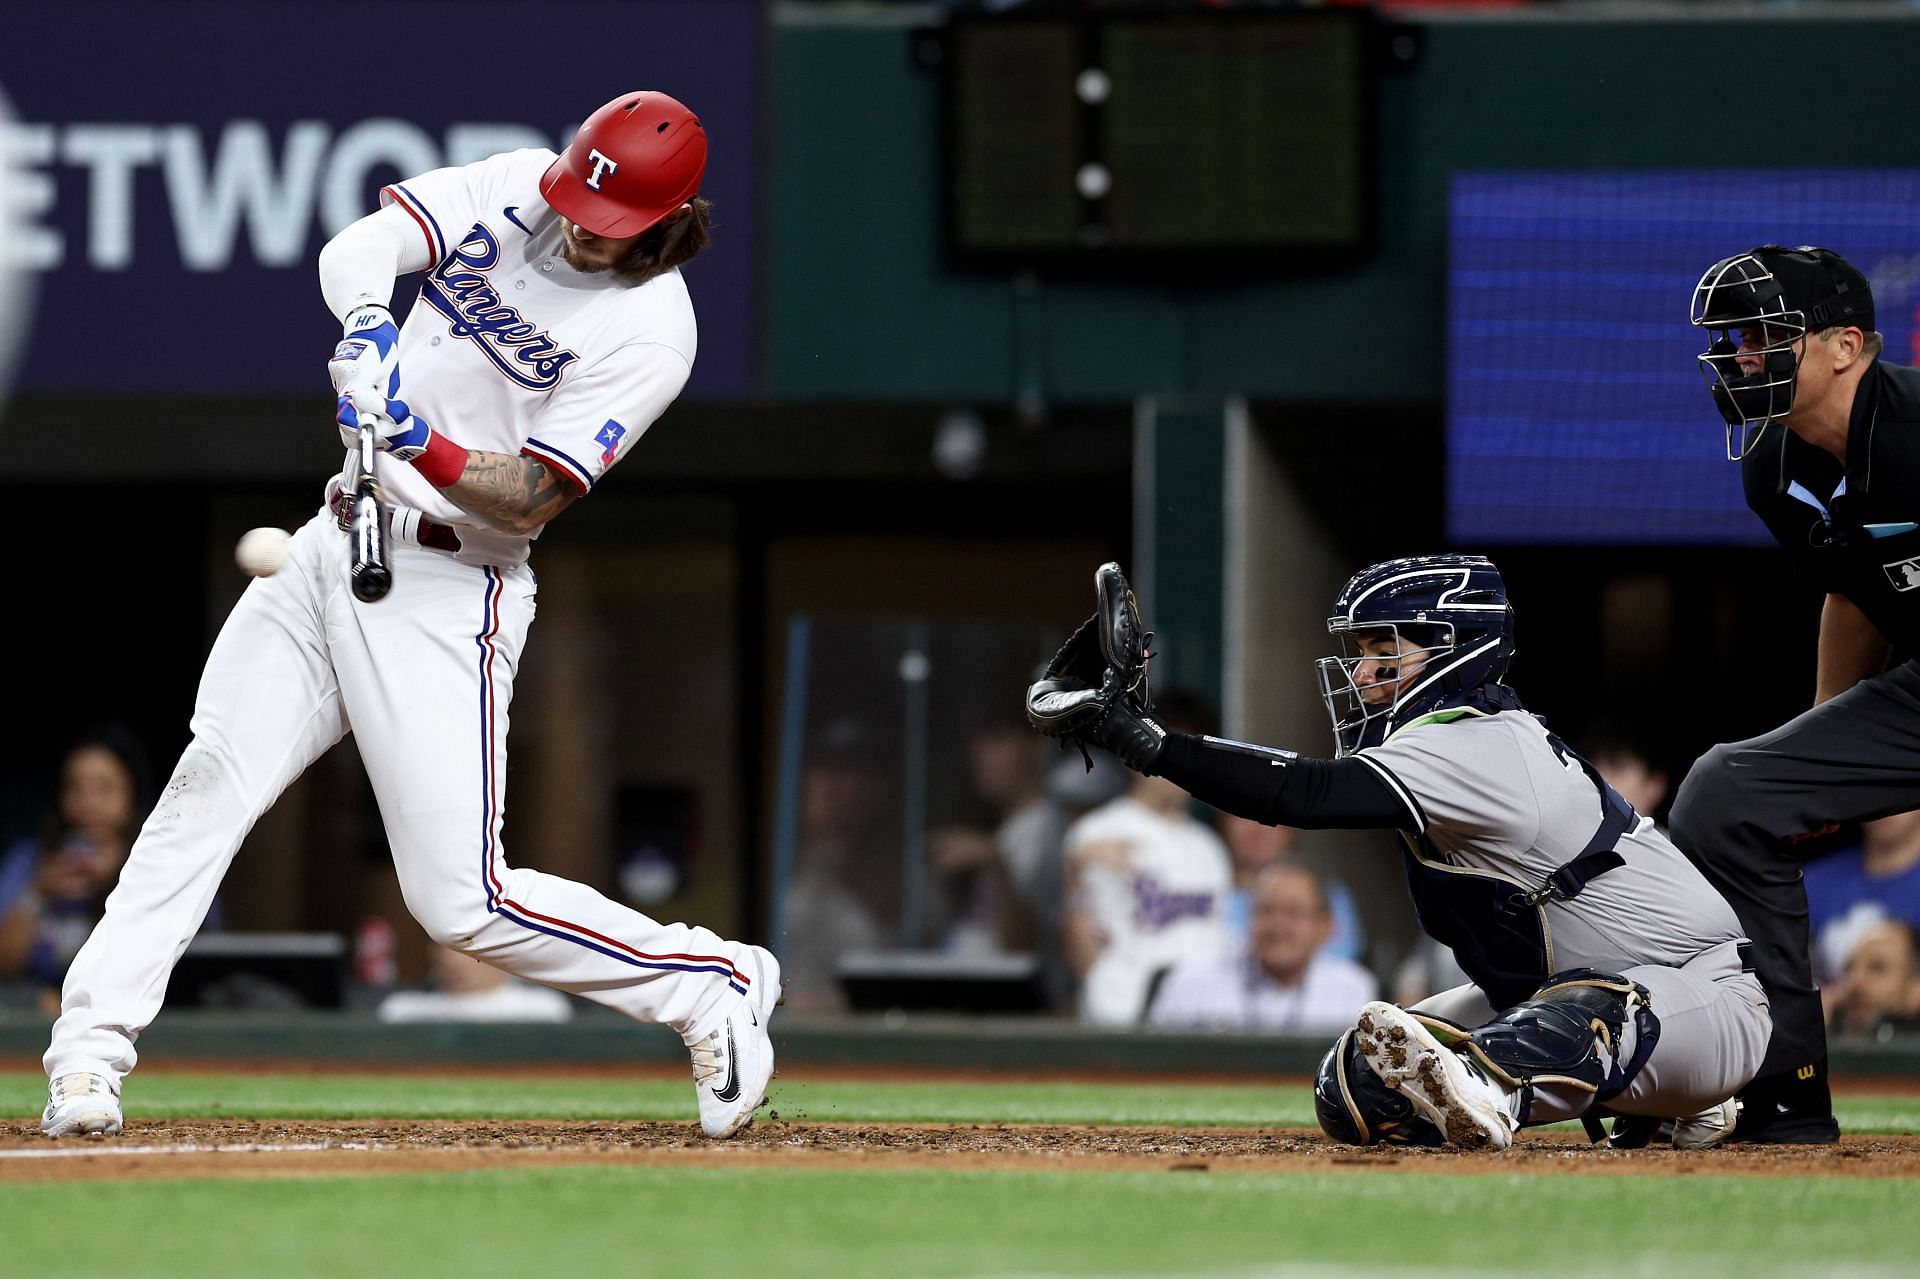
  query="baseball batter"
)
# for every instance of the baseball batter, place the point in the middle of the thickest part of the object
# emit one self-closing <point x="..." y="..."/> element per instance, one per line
<point x="1619" y="976"/>
<point x="552" y="329"/>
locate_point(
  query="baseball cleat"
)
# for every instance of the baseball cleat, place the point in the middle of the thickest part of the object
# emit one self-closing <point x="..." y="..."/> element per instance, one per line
<point x="81" y="1105"/>
<point x="1444" y="1086"/>
<point x="733" y="1065"/>
<point x="1708" y="1128"/>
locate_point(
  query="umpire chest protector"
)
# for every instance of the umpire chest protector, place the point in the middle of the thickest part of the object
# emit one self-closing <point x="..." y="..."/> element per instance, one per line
<point x="1496" y="924"/>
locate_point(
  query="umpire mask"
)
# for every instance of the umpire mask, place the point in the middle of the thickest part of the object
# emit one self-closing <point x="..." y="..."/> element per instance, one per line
<point x="1778" y="296"/>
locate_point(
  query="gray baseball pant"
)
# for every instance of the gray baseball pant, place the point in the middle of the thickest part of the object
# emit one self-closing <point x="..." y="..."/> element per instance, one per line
<point x="1713" y="1033"/>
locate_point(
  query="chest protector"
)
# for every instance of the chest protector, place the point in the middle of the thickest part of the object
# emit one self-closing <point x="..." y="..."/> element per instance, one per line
<point x="1496" y="925"/>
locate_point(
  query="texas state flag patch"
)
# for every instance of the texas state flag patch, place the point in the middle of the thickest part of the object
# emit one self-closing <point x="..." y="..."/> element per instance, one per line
<point x="609" y="440"/>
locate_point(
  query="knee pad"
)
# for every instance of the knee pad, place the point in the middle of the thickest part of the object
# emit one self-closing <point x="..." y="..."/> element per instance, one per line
<point x="1354" y="1106"/>
<point x="1585" y="1031"/>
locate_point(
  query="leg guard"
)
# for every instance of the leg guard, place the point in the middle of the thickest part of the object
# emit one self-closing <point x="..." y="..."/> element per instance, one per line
<point x="1354" y="1106"/>
<point x="1585" y="1034"/>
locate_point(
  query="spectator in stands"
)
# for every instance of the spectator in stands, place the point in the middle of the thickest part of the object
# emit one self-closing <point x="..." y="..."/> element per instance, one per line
<point x="845" y="890"/>
<point x="1282" y="980"/>
<point x="1849" y="889"/>
<point x="1628" y="769"/>
<point x="1254" y="847"/>
<point x="1879" y="990"/>
<point x="1146" y="887"/>
<point x="53" y="888"/>
<point x="998" y="885"/>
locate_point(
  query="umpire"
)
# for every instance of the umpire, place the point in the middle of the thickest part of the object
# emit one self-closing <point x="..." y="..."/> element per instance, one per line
<point x="1792" y="342"/>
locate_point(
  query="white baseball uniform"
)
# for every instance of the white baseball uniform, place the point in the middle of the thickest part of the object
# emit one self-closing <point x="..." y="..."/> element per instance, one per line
<point x="510" y="350"/>
<point x="1167" y="905"/>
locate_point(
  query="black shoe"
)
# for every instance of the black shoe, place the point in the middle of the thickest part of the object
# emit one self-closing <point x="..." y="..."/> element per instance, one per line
<point x="1636" y="1132"/>
<point x="1793" y="1108"/>
<point x="1789" y="1130"/>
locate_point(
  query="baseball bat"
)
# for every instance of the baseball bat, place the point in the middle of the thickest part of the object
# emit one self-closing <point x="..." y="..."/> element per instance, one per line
<point x="372" y="569"/>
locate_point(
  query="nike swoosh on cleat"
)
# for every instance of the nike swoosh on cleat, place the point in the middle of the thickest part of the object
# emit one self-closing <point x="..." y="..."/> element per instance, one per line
<point x="508" y="213"/>
<point x="730" y="1091"/>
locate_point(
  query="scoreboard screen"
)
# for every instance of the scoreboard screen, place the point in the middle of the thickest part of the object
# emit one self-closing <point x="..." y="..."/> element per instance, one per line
<point x="1172" y="138"/>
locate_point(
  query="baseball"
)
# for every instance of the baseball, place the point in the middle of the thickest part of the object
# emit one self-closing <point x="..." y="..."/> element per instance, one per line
<point x="262" y="551"/>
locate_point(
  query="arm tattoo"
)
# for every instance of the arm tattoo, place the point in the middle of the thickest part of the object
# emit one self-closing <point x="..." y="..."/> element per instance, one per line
<point x="518" y="494"/>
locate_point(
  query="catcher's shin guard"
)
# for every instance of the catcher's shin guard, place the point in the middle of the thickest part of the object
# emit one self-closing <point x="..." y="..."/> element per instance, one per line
<point x="1355" y="1106"/>
<point x="1582" y="1037"/>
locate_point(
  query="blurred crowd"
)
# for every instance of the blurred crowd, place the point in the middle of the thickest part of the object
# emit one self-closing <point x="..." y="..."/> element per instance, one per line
<point x="1131" y="904"/>
<point x="54" y="882"/>
<point x="1140" y="907"/>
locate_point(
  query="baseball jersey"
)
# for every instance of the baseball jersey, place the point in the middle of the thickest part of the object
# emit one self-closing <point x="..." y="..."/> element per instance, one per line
<point x="1168" y="905"/>
<point x="511" y="350"/>
<point x="1853" y="529"/>
<point x="1232" y="992"/>
<point x="1491" y="793"/>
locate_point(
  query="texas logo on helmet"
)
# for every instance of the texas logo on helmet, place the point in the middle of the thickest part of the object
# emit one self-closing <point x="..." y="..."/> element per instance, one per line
<point x="634" y="161"/>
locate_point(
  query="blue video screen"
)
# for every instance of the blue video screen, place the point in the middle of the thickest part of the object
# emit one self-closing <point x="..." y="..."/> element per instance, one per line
<point x="1575" y="410"/>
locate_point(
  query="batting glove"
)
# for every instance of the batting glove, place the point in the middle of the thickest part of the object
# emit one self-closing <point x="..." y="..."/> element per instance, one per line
<point x="400" y="433"/>
<point x="367" y="359"/>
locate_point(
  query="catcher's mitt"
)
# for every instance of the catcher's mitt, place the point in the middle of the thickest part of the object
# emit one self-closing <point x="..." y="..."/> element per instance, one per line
<point x="1103" y="662"/>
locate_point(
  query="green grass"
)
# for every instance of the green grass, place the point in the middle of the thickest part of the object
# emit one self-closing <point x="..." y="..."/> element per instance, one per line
<point x="688" y="1222"/>
<point x="764" y="1223"/>
<point x="170" y="1094"/>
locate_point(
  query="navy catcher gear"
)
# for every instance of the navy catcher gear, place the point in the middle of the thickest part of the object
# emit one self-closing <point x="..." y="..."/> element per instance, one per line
<point x="1453" y="609"/>
<point x="1585" y="1031"/>
<point x="1355" y="1107"/>
<point x="1780" y="295"/>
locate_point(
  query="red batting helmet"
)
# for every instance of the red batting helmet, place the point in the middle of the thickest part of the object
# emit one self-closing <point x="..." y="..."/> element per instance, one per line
<point x="634" y="161"/>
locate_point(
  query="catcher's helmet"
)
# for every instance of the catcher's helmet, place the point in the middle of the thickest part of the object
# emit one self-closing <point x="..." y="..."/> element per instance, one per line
<point x="1355" y="1106"/>
<point x="633" y="162"/>
<point x="1784" y="294"/>
<point x="1454" y="611"/>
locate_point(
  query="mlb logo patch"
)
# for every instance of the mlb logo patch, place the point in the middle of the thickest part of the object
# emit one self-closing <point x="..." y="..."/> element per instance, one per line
<point x="1904" y="574"/>
<point x="609" y="440"/>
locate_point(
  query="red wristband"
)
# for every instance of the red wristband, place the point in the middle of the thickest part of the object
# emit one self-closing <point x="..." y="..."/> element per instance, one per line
<point x="443" y="462"/>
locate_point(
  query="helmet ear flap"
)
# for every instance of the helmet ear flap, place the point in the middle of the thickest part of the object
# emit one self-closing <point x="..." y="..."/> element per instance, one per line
<point x="1355" y="1106"/>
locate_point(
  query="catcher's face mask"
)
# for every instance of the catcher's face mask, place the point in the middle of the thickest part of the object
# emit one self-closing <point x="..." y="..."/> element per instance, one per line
<point x="1377" y="668"/>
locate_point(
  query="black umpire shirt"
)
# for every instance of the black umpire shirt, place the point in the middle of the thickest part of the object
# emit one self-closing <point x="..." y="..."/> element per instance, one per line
<point x="1853" y="530"/>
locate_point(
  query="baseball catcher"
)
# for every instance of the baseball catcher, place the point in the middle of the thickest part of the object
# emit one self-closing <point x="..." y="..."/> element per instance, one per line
<point x="1608" y="976"/>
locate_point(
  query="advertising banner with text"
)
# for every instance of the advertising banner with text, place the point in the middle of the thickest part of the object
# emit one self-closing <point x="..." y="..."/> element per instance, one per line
<point x="176" y="167"/>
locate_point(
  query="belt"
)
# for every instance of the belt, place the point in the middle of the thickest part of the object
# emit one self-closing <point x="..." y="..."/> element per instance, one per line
<point x="435" y="537"/>
<point x="1745" y="953"/>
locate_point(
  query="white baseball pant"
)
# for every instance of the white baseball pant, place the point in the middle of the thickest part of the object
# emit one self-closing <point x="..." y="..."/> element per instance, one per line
<point x="424" y="680"/>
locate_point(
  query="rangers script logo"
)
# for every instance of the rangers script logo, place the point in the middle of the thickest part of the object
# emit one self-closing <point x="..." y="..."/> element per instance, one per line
<point x="459" y="290"/>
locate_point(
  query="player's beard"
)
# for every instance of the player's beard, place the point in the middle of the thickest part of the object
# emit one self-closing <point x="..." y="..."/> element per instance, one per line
<point x="571" y="252"/>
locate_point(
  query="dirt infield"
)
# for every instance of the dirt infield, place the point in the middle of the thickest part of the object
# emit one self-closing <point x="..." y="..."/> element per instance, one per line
<point x="273" y="1148"/>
